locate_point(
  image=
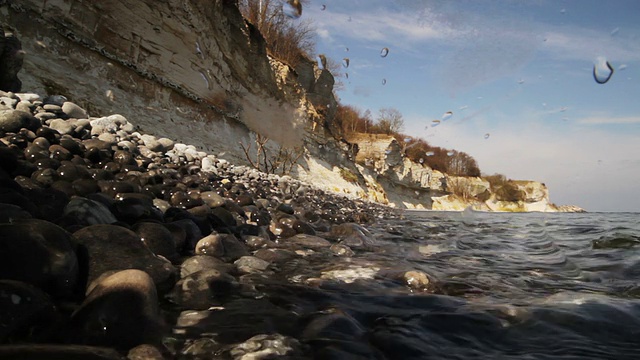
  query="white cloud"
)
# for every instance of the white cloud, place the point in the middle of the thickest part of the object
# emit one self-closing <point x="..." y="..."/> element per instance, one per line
<point x="609" y="120"/>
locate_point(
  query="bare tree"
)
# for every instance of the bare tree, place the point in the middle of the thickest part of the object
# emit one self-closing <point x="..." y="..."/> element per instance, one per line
<point x="390" y="120"/>
<point x="286" y="39"/>
<point x="282" y="162"/>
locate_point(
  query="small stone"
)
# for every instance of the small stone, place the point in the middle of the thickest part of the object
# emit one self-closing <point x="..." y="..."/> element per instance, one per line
<point x="309" y="241"/>
<point x="251" y="264"/>
<point x="145" y="352"/>
<point x="152" y="143"/>
<point x="202" y="289"/>
<point x="39" y="253"/>
<point x="26" y="313"/>
<point x="103" y="320"/>
<point x="74" y="111"/>
<point x="203" y="262"/>
<point x="54" y="100"/>
<point x="111" y="247"/>
<point x="416" y="280"/>
<point x="14" y="120"/>
<point x="88" y="212"/>
<point x="166" y="143"/>
<point x="52" y="108"/>
<point x="62" y="126"/>
<point x="158" y="238"/>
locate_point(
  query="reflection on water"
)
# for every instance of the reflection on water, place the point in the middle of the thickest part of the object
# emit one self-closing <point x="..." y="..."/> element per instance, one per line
<point x="500" y="286"/>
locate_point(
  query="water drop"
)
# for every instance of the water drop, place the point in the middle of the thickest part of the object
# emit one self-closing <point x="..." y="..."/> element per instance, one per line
<point x="446" y="116"/>
<point x="435" y="123"/>
<point x="430" y="153"/>
<point x="563" y="11"/>
<point x="387" y="152"/>
<point x="521" y="81"/>
<point x="384" y="81"/>
<point x="349" y="19"/>
<point x="463" y="107"/>
<point x="421" y="161"/>
<point x="486" y="136"/>
<point x="418" y="192"/>
<point x="602" y="70"/>
<point x="479" y="97"/>
<point x="292" y="8"/>
<point x="544" y="104"/>
<point x="450" y="153"/>
<point x="563" y="109"/>
<point x="345" y="62"/>
<point x="407" y="139"/>
<point x="346" y="75"/>
<point x="346" y="49"/>
<point x="622" y="67"/>
<point x="324" y="7"/>
<point x="384" y="52"/>
<point x="565" y="119"/>
<point x="322" y="61"/>
<point x="615" y="31"/>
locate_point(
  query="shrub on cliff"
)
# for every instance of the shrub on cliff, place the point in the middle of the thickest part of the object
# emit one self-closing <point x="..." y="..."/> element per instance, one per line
<point x="287" y="40"/>
<point x="509" y="192"/>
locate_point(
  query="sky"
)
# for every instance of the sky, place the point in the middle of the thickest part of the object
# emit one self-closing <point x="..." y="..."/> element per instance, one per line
<point x="517" y="76"/>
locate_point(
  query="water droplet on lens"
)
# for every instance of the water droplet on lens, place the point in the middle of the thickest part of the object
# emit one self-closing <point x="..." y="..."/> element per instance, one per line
<point x="429" y="153"/>
<point x="349" y="19"/>
<point x="450" y="153"/>
<point x="384" y="52"/>
<point x="463" y="107"/>
<point x="346" y="75"/>
<point x="421" y="161"/>
<point x="622" y="67"/>
<point x="324" y="7"/>
<point x="487" y="135"/>
<point x="435" y="123"/>
<point x="521" y="81"/>
<point x="346" y="49"/>
<point x="446" y="116"/>
<point x="292" y="8"/>
<point x="615" y="31"/>
<point x="602" y="70"/>
<point x="563" y="11"/>
<point x="345" y="62"/>
<point x="563" y="109"/>
<point x="384" y="81"/>
<point x="407" y="139"/>
<point x="322" y="61"/>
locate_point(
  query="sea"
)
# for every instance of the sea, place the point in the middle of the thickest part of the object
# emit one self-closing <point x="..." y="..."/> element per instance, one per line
<point x="501" y="286"/>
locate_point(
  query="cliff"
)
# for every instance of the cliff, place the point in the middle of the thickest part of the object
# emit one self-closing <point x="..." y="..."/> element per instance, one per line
<point x="195" y="71"/>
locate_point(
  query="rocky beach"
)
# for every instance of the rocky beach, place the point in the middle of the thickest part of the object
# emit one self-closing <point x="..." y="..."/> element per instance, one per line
<point x="113" y="238"/>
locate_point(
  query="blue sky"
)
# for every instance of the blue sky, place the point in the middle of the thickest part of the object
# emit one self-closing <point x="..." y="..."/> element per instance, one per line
<point x="520" y="71"/>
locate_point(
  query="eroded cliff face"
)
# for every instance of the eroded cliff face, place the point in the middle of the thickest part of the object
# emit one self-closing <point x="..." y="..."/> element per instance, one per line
<point x="189" y="69"/>
<point x="415" y="186"/>
<point x="195" y="71"/>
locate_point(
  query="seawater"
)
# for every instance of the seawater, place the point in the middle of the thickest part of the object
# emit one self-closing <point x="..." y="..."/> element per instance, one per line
<point x="523" y="286"/>
<point x="503" y="286"/>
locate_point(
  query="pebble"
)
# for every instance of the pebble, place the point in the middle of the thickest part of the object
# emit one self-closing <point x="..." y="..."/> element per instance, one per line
<point x="39" y="253"/>
<point x="111" y="247"/>
<point x="103" y="320"/>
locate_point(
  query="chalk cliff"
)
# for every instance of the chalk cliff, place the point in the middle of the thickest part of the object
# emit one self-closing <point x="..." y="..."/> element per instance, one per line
<point x="195" y="71"/>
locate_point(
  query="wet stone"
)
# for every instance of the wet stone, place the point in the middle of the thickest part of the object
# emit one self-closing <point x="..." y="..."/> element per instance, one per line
<point x="158" y="238"/>
<point x="14" y="120"/>
<point x="39" y="253"/>
<point x="203" y="289"/>
<point x="265" y="346"/>
<point x="88" y="212"/>
<point x="26" y="313"/>
<point x="251" y="264"/>
<point x="111" y="247"/>
<point x="103" y="320"/>
<point x="145" y="352"/>
<point x="203" y="262"/>
<point x="308" y="241"/>
<point x="352" y="235"/>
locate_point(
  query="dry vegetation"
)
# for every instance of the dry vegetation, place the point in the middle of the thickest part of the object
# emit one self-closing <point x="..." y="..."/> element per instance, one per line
<point x="292" y="40"/>
<point x="281" y="162"/>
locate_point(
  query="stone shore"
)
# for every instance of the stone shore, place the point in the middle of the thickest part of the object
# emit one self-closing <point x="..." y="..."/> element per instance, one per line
<point x="113" y="242"/>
